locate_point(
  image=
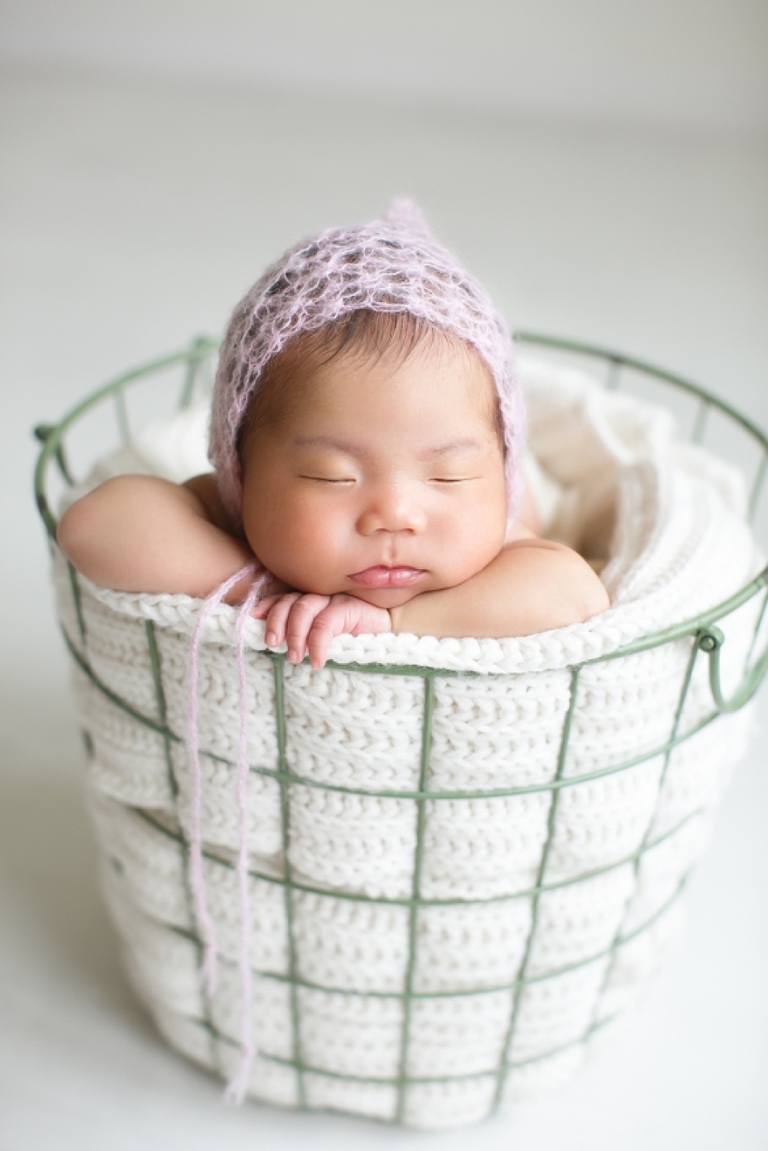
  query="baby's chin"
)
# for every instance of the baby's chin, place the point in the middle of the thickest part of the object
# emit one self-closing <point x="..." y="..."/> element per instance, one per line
<point x="384" y="597"/>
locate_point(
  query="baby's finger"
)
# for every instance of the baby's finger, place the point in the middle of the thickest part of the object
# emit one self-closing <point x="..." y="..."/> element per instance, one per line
<point x="277" y="618"/>
<point x="300" y="621"/>
<point x="324" y="630"/>
<point x="261" y="610"/>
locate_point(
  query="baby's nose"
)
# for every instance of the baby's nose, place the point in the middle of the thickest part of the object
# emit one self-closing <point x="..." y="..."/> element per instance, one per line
<point x="391" y="508"/>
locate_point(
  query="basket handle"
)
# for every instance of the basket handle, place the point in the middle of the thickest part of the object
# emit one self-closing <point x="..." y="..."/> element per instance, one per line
<point x="710" y="640"/>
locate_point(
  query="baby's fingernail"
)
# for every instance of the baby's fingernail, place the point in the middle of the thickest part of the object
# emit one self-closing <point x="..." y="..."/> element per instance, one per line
<point x="293" y="655"/>
<point x="270" y="639"/>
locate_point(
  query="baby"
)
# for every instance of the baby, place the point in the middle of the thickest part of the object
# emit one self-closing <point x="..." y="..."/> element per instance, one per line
<point x="366" y="434"/>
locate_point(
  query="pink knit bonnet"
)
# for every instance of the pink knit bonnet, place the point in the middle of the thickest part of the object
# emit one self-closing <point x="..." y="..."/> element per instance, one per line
<point x="390" y="265"/>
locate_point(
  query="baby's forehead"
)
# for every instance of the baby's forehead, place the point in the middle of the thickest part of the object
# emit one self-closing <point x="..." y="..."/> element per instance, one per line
<point x="365" y="337"/>
<point x="430" y="358"/>
<point x="325" y="365"/>
<point x="429" y="376"/>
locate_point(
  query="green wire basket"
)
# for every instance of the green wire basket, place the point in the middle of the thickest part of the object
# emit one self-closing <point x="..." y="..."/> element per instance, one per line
<point x="190" y="1020"/>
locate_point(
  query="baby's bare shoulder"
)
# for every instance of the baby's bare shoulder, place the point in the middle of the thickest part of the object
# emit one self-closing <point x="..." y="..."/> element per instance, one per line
<point x="555" y="574"/>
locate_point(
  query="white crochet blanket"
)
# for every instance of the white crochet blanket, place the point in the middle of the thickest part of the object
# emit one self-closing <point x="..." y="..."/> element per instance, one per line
<point x="575" y="897"/>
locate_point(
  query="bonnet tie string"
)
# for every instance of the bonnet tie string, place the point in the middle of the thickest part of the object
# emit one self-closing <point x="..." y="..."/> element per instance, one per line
<point x="205" y="923"/>
<point x="238" y="1085"/>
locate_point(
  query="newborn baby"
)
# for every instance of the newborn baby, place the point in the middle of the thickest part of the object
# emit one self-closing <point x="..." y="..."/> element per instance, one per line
<point x="366" y="433"/>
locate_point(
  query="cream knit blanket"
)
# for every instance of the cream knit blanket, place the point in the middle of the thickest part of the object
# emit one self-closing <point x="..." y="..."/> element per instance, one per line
<point x="541" y="913"/>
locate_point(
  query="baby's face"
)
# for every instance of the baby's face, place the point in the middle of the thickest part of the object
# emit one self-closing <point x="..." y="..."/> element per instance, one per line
<point x="384" y="481"/>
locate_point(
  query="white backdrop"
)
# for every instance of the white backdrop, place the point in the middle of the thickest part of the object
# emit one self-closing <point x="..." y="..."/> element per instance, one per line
<point x="604" y="168"/>
<point x="687" y="62"/>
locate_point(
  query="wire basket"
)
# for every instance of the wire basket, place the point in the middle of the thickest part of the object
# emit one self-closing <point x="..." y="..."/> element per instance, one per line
<point x="414" y="1046"/>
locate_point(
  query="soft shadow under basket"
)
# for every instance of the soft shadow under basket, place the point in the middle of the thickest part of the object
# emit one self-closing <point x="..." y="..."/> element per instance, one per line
<point x="462" y="863"/>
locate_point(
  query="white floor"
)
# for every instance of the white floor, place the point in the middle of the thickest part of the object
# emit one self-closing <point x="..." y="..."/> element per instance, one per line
<point x="131" y="218"/>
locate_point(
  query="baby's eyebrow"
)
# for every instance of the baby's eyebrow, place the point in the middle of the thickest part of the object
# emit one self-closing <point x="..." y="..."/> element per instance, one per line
<point x="453" y="447"/>
<point x="331" y="442"/>
<point x="438" y="451"/>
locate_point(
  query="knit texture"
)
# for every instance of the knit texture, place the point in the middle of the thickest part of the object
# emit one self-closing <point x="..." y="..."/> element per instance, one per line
<point x="542" y="912"/>
<point x="390" y="265"/>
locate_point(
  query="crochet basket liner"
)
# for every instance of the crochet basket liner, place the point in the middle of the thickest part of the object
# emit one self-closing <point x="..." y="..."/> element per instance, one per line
<point x="452" y="892"/>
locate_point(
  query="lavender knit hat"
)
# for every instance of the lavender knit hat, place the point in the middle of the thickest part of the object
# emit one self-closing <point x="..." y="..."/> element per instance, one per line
<point x="390" y="265"/>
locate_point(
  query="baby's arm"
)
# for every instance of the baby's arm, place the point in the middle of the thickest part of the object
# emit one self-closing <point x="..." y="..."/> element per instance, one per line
<point x="144" y="534"/>
<point x="532" y="585"/>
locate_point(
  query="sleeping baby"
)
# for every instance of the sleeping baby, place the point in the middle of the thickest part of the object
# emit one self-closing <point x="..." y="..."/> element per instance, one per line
<point x="366" y="434"/>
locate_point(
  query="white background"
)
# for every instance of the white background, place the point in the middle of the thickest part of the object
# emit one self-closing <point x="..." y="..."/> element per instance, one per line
<point x="603" y="167"/>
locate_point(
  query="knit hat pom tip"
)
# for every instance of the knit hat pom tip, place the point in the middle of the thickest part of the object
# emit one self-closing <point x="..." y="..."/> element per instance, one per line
<point x="404" y="215"/>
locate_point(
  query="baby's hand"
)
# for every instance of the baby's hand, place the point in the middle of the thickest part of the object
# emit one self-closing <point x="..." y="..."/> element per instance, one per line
<point x="309" y="622"/>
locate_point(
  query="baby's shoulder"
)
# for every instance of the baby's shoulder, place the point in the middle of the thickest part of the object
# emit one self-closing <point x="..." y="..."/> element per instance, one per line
<point x="555" y="574"/>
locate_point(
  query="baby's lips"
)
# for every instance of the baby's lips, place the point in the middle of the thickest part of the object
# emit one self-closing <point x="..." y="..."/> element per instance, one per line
<point x="381" y="576"/>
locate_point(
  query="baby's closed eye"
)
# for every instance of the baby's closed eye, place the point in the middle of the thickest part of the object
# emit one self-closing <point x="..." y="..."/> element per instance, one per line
<point x="328" y="479"/>
<point x="453" y="479"/>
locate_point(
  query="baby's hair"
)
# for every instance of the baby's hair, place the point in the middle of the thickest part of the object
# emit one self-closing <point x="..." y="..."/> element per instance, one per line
<point x="370" y="335"/>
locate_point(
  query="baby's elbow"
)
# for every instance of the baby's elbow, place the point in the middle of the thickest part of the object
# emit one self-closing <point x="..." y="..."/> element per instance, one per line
<point x="78" y="528"/>
<point x="109" y="520"/>
<point x="97" y="530"/>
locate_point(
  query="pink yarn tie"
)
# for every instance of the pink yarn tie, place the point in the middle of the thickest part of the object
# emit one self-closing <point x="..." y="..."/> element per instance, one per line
<point x="238" y="1085"/>
<point x="205" y="923"/>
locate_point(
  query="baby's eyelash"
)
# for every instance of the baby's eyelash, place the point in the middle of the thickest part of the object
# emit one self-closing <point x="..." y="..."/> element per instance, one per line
<point x="327" y="479"/>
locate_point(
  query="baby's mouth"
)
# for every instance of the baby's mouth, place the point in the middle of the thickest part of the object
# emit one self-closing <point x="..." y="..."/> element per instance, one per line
<point x="383" y="576"/>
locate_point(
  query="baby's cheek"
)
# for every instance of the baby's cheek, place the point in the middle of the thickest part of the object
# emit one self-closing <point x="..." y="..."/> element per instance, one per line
<point x="304" y="553"/>
<point x="476" y="538"/>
